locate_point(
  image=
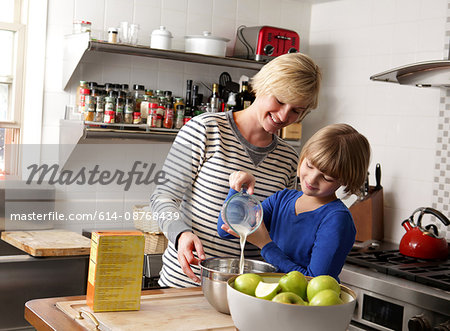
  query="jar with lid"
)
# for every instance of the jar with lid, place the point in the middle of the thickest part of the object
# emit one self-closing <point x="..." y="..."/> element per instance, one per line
<point x="136" y="117"/>
<point x="112" y="35"/>
<point x="148" y="92"/>
<point x="168" y="116"/>
<point x="179" y="117"/>
<point x="129" y="109"/>
<point x="89" y="107"/>
<point x="83" y="85"/>
<point x="145" y="107"/>
<point x="120" y="105"/>
<point x="159" y="93"/>
<point x="110" y="114"/>
<point x="92" y="85"/>
<point x="138" y="92"/>
<point x="109" y="87"/>
<point x="83" y="93"/>
<point x="124" y="88"/>
<point x="99" y="109"/>
<point x="152" y="115"/>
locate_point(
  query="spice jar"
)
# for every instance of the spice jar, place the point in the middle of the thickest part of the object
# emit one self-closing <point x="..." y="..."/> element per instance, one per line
<point x="145" y="107"/>
<point x="83" y="93"/>
<point x="83" y="85"/>
<point x="179" y="117"/>
<point x="99" y="109"/>
<point x="129" y="110"/>
<point x="168" y="116"/>
<point x="110" y="114"/>
<point x="160" y="116"/>
<point x="136" y="117"/>
<point x="120" y="105"/>
<point x="138" y="91"/>
<point x="112" y="35"/>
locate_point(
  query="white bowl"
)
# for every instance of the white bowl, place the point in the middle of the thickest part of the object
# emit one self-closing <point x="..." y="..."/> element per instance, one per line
<point x="206" y="44"/>
<point x="250" y="313"/>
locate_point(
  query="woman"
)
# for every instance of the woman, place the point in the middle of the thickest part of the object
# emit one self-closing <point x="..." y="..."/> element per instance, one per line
<point x="212" y="146"/>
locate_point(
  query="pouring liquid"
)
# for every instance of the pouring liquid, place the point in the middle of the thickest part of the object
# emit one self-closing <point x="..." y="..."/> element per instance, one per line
<point x="243" y="232"/>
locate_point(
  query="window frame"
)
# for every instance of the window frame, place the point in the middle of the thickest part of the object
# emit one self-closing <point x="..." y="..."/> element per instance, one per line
<point x="16" y="94"/>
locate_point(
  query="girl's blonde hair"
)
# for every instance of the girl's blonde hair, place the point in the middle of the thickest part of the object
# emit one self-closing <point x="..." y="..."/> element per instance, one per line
<point x="339" y="151"/>
<point x="290" y="77"/>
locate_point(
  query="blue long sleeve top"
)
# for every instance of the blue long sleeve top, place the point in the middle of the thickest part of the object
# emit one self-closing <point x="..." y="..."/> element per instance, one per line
<point x="315" y="242"/>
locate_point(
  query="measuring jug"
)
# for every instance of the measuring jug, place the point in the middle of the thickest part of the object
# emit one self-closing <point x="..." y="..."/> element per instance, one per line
<point x="242" y="212"/>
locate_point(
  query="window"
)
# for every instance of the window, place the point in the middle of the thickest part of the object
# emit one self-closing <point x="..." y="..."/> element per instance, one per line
<point x="12" y="37"/>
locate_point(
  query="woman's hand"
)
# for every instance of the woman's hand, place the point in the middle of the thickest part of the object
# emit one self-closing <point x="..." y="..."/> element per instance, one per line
<point x="187" y="244"/>
<point x="240" y="178"/>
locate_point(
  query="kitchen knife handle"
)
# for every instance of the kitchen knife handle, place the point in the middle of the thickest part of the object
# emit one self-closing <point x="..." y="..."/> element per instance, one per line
<point x="378" y="176"/>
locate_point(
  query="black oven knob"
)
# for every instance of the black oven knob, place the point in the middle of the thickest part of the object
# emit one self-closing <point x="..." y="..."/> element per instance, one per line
<point x="292" y="50"/>
<point x="268" y="49"/>
<point x="419" y="323"/>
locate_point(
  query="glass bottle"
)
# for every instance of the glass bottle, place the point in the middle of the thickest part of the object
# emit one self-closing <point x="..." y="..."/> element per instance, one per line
<point x="129" y="110"/>
<point x="99" y="109"/>
<point x="120" y="105"/>
<point x="145" y="107"/>
<point x="110" y="114"/>
<point x="168" y="116"/>
<point x="83" y="93"/>
<point x="215" y="101"/>
<point x="187" y="114"/>
<point x="138" y="92"/>
<point x="179" y="119"/>
<point x="83" y="85"/>
<point x="231" y="103"/>
<point x="195" y="102"/>
<point x="188" y="100"/>
<point x="245" y="97"/>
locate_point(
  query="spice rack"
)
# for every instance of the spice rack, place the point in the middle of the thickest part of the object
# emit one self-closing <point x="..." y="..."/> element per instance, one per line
<point x="76" y="46"/>
<point x="127" y="129"/>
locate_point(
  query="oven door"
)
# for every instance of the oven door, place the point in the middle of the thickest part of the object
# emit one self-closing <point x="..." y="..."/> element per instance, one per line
<point x="379" y="312"/>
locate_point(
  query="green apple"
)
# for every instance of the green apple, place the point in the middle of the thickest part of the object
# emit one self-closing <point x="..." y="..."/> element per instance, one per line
<point x="320" y="283"/>
<point x="296" y="282"/>
<point x="326" y="297"/>
<point x="289" y="297"/>
<point x="267" y="291"/>
<point x="246" y="283"/>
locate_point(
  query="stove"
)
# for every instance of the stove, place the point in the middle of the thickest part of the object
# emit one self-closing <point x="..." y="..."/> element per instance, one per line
<point x="396" y="292"/>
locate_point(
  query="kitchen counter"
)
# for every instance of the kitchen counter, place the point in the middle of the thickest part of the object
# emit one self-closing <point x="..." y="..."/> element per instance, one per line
<point x="44" y="315"/>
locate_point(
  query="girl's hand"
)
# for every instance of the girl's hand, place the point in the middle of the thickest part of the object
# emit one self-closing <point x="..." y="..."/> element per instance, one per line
<point x="260" y="237"/>
<point x="240" y="178"/>
<point x="226" y="228"/>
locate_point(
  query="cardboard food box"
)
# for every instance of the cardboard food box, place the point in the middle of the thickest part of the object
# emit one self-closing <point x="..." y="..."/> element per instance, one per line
<point x="292" y="132"/>
<point x="115" y="270"/>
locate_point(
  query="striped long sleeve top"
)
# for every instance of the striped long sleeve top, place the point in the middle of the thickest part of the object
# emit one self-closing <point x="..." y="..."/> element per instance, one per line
<point x="205" y="152"/>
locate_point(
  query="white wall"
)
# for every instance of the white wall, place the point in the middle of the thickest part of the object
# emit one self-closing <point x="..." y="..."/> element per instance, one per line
<point x="350" y="40"/>
<point x="181" y="17"/>
<point x="354" y="39"/>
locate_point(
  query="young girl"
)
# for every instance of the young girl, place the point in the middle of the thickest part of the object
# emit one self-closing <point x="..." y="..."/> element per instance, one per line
<point x="311" y="230"/>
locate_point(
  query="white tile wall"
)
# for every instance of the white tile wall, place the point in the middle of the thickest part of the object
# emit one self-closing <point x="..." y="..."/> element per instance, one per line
<point x="350" y="39"/>
<point x="181" y="17"/>
<point x="354" y="39"/>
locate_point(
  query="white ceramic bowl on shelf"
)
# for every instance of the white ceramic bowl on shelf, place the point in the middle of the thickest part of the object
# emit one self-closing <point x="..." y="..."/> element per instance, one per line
<point x="206" y="44"/>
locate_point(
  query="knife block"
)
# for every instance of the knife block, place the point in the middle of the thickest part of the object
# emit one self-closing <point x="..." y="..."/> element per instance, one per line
<point x="368" y="216"/>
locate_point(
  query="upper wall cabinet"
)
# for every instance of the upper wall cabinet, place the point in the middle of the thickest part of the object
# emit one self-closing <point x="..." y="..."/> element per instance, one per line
<point x="77" y="45"/>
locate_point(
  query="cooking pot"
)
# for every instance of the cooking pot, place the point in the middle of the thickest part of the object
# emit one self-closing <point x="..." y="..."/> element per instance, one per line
<point x="424" y="243"/>
<point x="206" y="44"/>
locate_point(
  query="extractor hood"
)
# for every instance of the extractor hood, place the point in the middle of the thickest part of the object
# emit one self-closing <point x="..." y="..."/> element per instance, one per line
<point x="421" y="74"/>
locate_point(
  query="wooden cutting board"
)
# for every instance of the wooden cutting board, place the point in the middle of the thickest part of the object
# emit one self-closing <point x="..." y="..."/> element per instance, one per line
<point x="179" y="309"/>
<point x="49" y="242"/>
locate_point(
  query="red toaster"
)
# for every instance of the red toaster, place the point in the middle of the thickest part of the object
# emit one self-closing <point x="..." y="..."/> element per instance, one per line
<point x="263" y="43"/>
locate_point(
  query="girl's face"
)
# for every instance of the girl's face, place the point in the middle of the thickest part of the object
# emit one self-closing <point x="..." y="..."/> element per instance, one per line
<point x="273" y="114"/>
<point x="316" y="183"/>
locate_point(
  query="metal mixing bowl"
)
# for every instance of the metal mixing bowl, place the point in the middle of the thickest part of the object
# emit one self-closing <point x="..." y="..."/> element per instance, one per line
<point x="215" y="273"/>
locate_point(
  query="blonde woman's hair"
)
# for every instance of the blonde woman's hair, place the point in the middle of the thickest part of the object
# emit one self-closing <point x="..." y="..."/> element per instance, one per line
<point x="291" y="78"/>
<point x="341" y="152"/>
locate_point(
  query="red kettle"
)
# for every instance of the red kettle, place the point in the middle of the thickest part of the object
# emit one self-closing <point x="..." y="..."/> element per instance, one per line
<point x="424" y="243"/>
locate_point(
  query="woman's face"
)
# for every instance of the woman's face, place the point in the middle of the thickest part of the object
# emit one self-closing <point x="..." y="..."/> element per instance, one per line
<point x="273" y="114"/>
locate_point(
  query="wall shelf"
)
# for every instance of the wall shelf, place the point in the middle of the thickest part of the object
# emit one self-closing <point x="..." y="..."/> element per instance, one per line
<point x="77" y="45"/>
